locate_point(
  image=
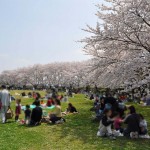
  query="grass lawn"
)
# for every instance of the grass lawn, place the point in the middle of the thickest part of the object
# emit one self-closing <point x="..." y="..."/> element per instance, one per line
<point x="78" y="133"/>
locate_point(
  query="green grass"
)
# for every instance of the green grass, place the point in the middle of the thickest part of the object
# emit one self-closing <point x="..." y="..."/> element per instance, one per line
<point x="78" y="133"/>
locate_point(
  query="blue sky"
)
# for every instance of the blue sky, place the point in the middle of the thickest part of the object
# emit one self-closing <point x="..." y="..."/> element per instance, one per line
<point x="43" y="31"/>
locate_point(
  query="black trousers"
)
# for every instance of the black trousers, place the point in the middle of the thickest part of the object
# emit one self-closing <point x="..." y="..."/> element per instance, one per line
<point x="54" y="118"/>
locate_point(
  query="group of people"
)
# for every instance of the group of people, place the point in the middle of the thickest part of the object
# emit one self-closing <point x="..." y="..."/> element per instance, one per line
<point x="36" y="115"/>
<point x="55" y="116"/>
<point x="113" y="114"/>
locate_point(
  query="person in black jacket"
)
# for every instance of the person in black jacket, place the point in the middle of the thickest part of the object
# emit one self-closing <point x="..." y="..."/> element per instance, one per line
<point x="36" y="114"/>
<point x="71" y="109"/>
<point x="109" y="99"/>
<point x="132" y="121"/>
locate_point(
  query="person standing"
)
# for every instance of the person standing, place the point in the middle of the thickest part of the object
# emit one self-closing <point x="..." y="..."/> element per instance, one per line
<point x="5" y="102"/>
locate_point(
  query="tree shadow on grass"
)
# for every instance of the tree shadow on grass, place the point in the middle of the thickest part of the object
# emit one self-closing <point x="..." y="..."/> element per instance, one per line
<point x="79" y="126"/>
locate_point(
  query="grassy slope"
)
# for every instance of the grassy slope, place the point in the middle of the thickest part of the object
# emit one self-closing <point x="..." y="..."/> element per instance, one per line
<point x="78" y="133"/>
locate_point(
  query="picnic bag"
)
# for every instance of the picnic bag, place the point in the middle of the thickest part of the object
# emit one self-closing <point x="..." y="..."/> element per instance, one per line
<point x="9" y="114"/>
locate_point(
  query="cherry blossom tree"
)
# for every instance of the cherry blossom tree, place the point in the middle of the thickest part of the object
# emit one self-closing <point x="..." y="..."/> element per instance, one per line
<point x="61" y="74"/>
<point x="120" y="43"/>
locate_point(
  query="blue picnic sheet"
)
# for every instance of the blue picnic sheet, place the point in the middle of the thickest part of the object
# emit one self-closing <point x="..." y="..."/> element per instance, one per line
<point x="33" y="106"/>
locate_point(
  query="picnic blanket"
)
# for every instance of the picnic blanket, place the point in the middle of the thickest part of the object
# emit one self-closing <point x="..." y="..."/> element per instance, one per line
<point x="33" y="106"/>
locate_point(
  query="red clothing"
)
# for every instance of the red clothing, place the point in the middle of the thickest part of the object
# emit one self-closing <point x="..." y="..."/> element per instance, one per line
<point x="123" y="97"/>
<point x="18" y="109"/>
<point x="50" y="102"/>
<point x="117" y="123"/>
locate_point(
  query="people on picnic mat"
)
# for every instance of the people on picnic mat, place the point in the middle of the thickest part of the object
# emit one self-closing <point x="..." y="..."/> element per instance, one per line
<point x="113" y="115"/>
<point x="136" y="124"/>
<point x="4" y="102"/>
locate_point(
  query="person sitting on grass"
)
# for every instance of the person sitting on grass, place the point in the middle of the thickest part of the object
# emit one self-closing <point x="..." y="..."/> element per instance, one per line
<point x="42" y="102"/>
<point x="105" y="125"/>
<point x="60" y="97"/>
<point x="71" y="109"/>
<point x="96" y="101"/>
<point x="148" y="100"/>
<point x="143" y="125"/>
<point x="132" y="121"/>
<point x="36" y="100"/>
<point x="50" y="102"/>
<point x="117" y="123"/>
<point x="18" y="109"/>
<point x="56" y="115"/>
<point x="121" y="108"/>
<point x="29" y="94"/>
<point x="102" y="104"/>
<point x="99" y="109"/>
<point x="65" y="98"/>
<point x="34" y="95"/>
<point x="38" y="95"/>
<point x="36" y="114"/>
<point x="109" y="99"/>
<point x="92" y="97"/>
<point x="27" y="113"/>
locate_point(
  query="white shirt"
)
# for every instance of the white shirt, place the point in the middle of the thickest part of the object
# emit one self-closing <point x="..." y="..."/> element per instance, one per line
<point x="5" y="97"/>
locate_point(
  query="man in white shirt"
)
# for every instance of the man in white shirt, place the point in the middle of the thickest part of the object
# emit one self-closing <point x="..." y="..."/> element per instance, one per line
<point x="5" y="102"/>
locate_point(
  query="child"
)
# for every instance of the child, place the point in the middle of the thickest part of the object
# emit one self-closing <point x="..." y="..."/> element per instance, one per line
<point x="117" y="123"/>
<point x="42" y="102"/>
<point x="27" y="114"/>
<point x="18" y="109"/>
<point x="105" y="125"/>
<point x="143" y="125"/>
